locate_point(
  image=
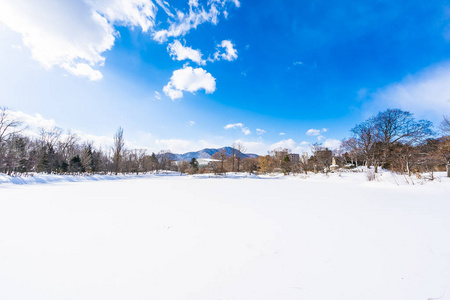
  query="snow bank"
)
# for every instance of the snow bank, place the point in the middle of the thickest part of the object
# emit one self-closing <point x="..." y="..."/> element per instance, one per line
<point x="355" y="176"/>
<point x="37" y="178"/>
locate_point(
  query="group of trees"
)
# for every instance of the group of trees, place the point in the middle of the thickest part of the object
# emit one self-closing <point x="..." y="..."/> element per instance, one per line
<point x="392" y="139"/>
<point x="52" y="151"/>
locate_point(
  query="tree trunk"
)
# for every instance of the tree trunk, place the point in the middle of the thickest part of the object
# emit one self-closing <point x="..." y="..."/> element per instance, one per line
<point x="448" y="170"/>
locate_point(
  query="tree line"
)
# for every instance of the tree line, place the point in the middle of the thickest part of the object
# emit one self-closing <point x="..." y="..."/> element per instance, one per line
<point x="393" y="139"/>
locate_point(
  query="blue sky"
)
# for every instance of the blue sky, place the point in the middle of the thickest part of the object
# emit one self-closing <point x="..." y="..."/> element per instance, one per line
<point x="175" y="74"/>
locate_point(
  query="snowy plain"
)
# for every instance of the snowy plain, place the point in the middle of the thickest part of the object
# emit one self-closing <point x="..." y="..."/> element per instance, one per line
<point x="241" y="237"/>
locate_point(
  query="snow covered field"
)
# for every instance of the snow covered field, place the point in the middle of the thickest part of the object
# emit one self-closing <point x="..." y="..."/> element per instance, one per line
<point x="180" y="237"/>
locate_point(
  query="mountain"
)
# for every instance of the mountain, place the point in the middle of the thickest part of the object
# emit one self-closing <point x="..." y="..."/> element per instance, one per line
<point x="208" y="153"/>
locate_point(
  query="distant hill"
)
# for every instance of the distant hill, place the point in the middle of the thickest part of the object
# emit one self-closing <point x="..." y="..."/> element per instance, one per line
<point x="208" y="153"/>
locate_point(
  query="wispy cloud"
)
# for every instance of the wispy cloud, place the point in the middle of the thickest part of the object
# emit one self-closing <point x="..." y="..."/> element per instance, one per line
<point x="312" y="132"/>
<point x="233" y="126"/>
<point x="197" y="15"/>
<point x="426" y="94"/>
<point x="316" y="132"/>
<point x="166" y="7"/>
<point x="260" y="131"/>
<point x="179" y="52"/>
<point x="246" y="131"/>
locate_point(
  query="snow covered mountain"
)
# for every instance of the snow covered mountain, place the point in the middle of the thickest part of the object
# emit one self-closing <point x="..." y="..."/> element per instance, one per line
<point x="208" y="153"/>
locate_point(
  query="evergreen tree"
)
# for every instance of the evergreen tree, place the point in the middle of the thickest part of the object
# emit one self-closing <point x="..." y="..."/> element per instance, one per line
<point x="76" y="165"/>
<point x="193" y="166"/>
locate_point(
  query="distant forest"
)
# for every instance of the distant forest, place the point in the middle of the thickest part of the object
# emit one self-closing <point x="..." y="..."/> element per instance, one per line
<point x="393" y="139"/>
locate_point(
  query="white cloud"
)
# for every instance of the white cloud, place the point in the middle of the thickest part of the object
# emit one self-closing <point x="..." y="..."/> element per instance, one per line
<point x="282" y="133"/>
<point x="332" y="144"/>
<point x="172" y="92"/>
<point x="312" y="132"/>
<point x="297" y="63"/>
<point x="289" y="144"/>
<point x="191" y="123"/>
<point x="189" y="80"/>
<point x="320" y="137"/>
<point x="33" y="122"/>
<point x="426" y="94"/>
<point x="254" y="147"/>
<point x="230" y="53"/>
<point x="260" y="131"/>
<point x="157" y="95"/>
<point x="197" y="15"/>
<point x="315" y="132"/>
<point x="179" y="52"/>
<point x="233" y="126"/>
<point x="74" y="34"/>
<point x="246" y="131"/>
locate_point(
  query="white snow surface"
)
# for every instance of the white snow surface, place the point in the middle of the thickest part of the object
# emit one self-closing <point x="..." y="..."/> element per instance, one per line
<point x="230" y="237"/>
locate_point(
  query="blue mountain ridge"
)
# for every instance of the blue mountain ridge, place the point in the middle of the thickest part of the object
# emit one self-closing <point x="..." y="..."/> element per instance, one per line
<point x="208" y="153"/>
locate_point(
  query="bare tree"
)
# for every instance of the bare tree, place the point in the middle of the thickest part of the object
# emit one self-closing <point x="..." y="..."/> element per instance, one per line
<point x="118" y="148"/>
<point x="395" y="125"/>
<point x="8" y="124"/>
<point x="240" y="149"/>
<point x="445" y="125"/>
<point x="364" y="139"/>
<point x="350" y="151"/>
<point x="138" y="158"/>
<point x="50" y="137"/>
<point x="442" y="148"/>
<point x="183" y="167"/>
<point x="220" y="156"/>
<point x="68" y="146"/>
<point x="165" y="158"/>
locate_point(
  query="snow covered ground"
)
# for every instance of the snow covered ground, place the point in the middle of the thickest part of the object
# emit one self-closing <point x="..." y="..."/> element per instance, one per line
<point x="243" y="237"/>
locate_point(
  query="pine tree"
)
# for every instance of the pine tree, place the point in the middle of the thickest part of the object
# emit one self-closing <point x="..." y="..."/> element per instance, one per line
<point x="193" y="166"/>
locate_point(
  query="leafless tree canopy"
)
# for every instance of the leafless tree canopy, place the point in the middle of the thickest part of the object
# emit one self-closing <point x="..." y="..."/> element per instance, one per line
<point x="8" y="124"/>
<point x="445" y="125"/>
<point x="118" y="147"/>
